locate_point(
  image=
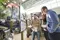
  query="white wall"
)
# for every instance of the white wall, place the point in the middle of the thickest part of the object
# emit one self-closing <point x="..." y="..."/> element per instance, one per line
<point x="22" y="9"/>
<point x="57" y="10"/>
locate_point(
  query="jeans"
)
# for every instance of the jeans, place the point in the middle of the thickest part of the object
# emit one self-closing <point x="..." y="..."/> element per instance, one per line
<point x="54" y="36"/>
<point x="46" y="35"/>
<point x="35" y="34"/>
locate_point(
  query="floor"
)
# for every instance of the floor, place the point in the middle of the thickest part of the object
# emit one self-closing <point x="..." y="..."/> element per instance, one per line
<point x="42" y="38"/>
<point x="18" y="37"/>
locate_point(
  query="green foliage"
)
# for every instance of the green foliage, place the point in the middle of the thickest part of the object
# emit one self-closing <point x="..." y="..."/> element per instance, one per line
<point x="2" y="16"/>
<point x="3" y="1"/>
<point x="2" y="8"/>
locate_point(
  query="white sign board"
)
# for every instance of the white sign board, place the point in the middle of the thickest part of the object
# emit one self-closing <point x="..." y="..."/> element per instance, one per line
<point x="23" y="25"/>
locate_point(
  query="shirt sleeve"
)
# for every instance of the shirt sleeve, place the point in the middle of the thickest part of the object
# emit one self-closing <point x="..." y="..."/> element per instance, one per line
<point x="53" y="22"/>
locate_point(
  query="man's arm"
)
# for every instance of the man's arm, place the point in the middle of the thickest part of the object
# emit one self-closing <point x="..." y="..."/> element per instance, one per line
<point x="52" y="25"/>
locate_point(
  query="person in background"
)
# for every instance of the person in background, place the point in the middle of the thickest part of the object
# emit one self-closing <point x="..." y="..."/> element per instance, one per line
<point x="44" y="29"/>
<point x="52" y="23"/>
<point x="35" y="27"/>
<point x="17" y="25"/>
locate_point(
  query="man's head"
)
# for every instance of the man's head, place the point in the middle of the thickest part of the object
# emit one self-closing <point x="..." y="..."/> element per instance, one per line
<point x="35" y="16"/>
<point x="44" y="9"/>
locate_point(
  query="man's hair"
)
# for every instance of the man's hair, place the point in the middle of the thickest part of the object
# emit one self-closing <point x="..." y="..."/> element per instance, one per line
<point x="35" y="14"/>
<point x="44" y="7"/>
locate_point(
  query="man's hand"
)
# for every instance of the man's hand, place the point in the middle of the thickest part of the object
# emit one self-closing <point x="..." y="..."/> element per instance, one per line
<point x="30" y="26"/>
<point x="44" y="29"/>
<point x="44" y="26"/>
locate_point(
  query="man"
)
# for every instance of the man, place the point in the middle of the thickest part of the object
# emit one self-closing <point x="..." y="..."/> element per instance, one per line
<point x="35" y="27"/>
<point x="44" y="29"/>
<point x="52" y="23"/>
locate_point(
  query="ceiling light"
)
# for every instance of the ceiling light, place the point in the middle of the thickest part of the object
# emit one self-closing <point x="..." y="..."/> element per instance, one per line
<point x="8" y="1"/>
<point x="14" y="1"/>
<point x="23" y="0"/>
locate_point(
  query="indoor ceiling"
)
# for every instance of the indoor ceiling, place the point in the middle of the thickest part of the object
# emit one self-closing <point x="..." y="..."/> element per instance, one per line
<point x="30" y="3"/>
<point x="18" y="1"/>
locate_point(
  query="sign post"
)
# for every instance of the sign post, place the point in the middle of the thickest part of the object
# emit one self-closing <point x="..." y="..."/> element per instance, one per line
<point x="20" y="22"/>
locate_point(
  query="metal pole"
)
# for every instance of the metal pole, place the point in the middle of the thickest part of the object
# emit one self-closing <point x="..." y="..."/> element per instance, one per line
<point x="12" y="12"/>
<point x="20" y="22"/>
<point x="19" y="10"/>
<point x="26" y="24"/>
<point x="21" y="35"/>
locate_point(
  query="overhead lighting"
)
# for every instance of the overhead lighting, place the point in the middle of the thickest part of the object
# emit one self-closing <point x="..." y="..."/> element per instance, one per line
<point x="8" y="1"/>
<point x="23" y="0"/>
<point x="14" y="1"/>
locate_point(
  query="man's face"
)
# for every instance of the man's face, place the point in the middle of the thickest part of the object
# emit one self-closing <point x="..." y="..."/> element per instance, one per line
<point x="43" y="11"/>
<point x="35" y="17"/>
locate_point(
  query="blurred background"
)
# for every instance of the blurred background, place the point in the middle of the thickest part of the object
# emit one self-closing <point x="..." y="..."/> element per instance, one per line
<point x="15" y="17"/>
